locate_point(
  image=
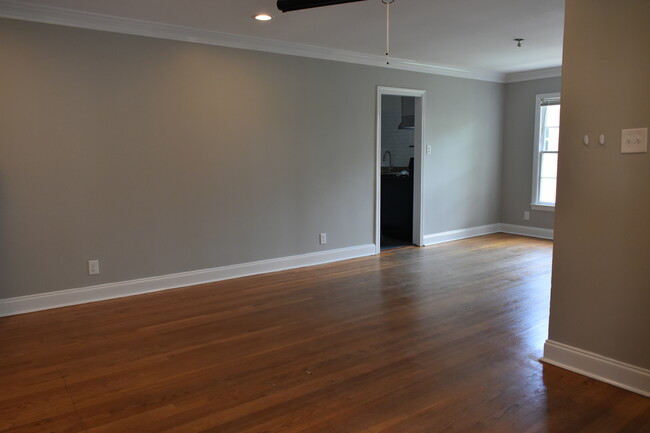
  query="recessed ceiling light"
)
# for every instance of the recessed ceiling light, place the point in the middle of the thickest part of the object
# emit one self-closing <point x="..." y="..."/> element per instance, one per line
<point x="263" y="17"/>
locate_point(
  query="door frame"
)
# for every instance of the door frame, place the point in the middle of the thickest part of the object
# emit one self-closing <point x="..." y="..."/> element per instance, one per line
<point x="418" y="163"/>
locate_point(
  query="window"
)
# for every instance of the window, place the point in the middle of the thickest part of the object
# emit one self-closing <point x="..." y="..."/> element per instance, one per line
<point x="547" y="135"/>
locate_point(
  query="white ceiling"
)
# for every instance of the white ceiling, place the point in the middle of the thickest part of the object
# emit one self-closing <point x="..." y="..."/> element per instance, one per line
<point x="475" y="35"/>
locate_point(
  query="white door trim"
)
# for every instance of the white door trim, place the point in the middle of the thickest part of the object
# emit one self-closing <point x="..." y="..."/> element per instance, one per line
<point x="418" y="159"/>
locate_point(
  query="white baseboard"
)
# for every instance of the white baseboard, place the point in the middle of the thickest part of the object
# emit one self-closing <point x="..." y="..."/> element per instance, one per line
<point x="534" y="232"/>
<point x="63" y="298"/>
<point x="598" y="367"/>
<point x="455" y="235"/>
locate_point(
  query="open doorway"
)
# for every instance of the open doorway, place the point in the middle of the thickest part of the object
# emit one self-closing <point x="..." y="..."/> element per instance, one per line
<point x="398" y="216"/>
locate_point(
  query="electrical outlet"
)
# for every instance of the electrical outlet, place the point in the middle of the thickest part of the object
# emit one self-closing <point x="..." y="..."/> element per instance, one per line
<point x="323" y="238"/>
<point x="93" y="267"/>
<point x="526" y="215"/>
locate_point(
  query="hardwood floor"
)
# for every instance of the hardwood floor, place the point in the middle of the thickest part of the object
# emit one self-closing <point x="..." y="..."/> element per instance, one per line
<point x="418" y="340"/>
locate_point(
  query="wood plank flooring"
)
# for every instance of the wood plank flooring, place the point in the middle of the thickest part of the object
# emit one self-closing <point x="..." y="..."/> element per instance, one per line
<point x="417" y="340"/>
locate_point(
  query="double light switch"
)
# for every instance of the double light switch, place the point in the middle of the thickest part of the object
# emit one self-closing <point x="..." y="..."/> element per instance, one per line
<point x="634" y="140"/>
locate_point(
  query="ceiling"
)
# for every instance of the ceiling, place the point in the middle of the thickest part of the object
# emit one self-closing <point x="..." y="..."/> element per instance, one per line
<point x="473" y="35"/>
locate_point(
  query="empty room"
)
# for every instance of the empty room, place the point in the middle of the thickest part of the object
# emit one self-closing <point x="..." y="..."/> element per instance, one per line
<point x="324" y="216"/>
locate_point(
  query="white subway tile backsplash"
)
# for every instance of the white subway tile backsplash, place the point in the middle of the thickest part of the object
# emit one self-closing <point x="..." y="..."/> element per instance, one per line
<point x="395" y="140"/>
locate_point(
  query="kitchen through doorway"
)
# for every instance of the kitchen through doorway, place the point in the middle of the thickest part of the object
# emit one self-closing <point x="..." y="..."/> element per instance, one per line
<point x="399" y="168"/>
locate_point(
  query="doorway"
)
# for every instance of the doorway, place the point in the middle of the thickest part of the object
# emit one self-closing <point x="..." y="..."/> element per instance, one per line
<point x="398" y="215"/>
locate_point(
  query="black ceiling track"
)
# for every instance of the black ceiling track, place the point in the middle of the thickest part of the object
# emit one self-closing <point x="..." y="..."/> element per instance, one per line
<point x="296" y="5"/>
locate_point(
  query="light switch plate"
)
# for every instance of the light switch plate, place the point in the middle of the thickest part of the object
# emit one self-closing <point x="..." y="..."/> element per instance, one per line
<point x="634" y="140"/>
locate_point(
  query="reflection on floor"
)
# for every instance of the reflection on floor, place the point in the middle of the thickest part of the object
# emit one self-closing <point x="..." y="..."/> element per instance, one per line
<point x="415" y="340"/>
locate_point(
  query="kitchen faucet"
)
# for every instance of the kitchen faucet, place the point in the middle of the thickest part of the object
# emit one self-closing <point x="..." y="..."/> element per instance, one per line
<point x="390" y="158"/>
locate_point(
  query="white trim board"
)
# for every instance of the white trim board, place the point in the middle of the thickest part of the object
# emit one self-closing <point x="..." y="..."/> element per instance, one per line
<point x="455" y="235"/>
<point x="534" y="232"/>
<point x="538" y="74"/>
<point x="93" y="21"/>
<point x="64" y="298"/>
<point x="626" y="376"/>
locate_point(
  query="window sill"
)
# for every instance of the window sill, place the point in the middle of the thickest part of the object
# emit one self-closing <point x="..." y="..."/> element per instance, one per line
<point x="544" y="207"/>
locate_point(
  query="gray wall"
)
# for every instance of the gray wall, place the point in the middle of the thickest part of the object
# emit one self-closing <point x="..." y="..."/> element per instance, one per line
<point x="600" y="297"/>
<point x="518" y="148"/>
<point x="157" y="157"/>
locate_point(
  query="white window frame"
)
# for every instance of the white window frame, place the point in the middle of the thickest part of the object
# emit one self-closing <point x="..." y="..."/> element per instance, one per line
<point x="535" y="204"/>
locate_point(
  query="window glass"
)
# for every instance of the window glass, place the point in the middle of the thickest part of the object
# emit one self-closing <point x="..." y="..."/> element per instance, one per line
<point x="548" y="168"/>
<point x="551" y="128"/>
<point x="547" y="140"/>
<point x="547" y="190"/>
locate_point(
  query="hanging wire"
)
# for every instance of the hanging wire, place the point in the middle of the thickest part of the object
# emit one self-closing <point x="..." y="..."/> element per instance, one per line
<point x="387" y="3"/>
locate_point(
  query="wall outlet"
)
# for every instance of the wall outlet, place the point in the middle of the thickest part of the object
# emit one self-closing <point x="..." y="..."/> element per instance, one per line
<point x="93" y="267"/>
<point x="322" y="238"/>
<point x="526" y="215"/>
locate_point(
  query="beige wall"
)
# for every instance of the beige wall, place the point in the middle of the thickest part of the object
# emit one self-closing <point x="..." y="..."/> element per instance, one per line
<point x="600" y="298"/>
<point x="158" y="157"/>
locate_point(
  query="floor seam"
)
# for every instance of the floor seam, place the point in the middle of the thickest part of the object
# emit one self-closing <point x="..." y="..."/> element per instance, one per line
<point x="74" y="406"/>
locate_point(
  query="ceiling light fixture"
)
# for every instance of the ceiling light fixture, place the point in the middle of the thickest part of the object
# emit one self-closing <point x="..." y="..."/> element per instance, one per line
<point x="263" y="17"/>
<point x="519" y="41"/>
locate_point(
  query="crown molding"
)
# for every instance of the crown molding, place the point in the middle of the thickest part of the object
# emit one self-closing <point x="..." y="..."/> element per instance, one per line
<point x="534" y="75"/>
<point x="93" y="21"/>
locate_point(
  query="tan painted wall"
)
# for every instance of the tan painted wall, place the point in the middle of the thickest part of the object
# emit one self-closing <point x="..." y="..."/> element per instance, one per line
<point x="600" y="298"/>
